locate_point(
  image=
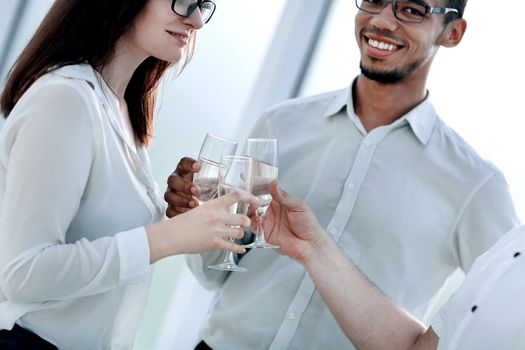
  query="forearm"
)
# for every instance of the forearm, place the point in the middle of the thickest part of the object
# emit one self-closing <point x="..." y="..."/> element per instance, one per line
<point x="67" y="271"/>
<point x="368" y="318"/>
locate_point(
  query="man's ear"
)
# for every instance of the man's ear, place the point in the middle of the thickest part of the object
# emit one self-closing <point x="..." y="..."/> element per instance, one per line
<point x="453" y="33"/>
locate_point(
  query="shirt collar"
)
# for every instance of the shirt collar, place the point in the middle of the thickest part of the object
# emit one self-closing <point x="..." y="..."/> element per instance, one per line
<point x="85" y="72"/>
<point x="421" y="118"/>
<point x="339" y="101"/>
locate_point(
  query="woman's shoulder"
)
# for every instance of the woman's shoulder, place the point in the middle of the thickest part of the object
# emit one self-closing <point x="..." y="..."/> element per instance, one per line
<point x="68" y="87"/>
<point x="79" y="77"/>
<point x="61" y="97"/>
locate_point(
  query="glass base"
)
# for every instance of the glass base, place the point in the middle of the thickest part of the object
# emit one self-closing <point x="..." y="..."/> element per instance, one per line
<point x="265" y="245"/>
<point x="228" y="267"/>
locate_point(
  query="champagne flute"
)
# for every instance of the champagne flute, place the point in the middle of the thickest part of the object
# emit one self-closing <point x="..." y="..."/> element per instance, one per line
<point x="235" y="174"/>
<point x="264" y="153"/>
<point x="212" y="149"/>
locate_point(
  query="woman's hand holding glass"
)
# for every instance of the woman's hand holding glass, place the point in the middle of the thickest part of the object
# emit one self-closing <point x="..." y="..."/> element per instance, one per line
<point x="205" y="228"/>
<point x="235" y="176"/>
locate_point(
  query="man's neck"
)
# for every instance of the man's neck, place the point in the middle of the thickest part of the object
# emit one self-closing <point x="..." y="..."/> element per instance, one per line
<point x="379" y="104"/>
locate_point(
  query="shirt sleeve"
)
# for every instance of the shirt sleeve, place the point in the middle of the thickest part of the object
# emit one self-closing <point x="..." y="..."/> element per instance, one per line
<point x="488" y="215"/>
<point x="47" y="151"/>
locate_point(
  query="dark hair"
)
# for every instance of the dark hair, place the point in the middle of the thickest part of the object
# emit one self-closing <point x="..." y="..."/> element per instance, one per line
<point x="77" y="31"/>
<point x="458" y="5"/>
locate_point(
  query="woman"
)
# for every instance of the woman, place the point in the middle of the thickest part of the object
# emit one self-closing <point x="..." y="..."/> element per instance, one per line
<point x="80" y="213"/>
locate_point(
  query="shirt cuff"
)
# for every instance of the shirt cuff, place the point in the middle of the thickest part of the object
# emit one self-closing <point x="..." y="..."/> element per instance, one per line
<point x="133" y="249"/>
<point x="437" y="322"/>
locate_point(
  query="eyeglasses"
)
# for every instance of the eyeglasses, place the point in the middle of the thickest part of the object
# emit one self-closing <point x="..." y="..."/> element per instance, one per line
<point x="185" y="8"/>
<point x="404" y="10"/>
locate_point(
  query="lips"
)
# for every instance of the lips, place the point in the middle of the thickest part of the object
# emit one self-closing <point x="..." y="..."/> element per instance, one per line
<point x="182" y="37"/>
<point x="381" y="45"/>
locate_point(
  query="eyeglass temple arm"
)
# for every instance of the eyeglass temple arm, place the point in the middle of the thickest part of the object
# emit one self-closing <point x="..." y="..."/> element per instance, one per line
<point x="442" y="10"/>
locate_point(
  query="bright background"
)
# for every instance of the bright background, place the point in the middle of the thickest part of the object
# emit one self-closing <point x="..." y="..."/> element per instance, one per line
<point x="255" y="53"/>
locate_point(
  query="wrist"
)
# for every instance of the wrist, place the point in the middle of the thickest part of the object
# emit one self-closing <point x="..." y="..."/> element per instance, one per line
<point x="318" y="249"/>
<point x="159" y="239"/>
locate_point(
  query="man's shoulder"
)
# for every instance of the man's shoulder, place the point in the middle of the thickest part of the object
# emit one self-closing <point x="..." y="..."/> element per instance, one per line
<point x="457" y="150"/>
<point x="306" y="106"/>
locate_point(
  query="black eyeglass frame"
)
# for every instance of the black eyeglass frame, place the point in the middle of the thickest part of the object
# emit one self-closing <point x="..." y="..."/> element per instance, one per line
<point x="198" y="5"/>
<point x="428" y="9"/>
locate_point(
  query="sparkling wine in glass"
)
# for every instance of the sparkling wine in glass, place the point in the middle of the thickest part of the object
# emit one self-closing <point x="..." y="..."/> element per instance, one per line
<point x="264" y="154"/>
<point x="213" y="148"/>
<point x="235" y="174"/>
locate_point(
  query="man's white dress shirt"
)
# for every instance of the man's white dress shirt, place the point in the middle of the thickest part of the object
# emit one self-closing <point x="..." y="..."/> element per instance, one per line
<point x="74" y="199"/>
<point x="488" y="311"/>
<point x="409" y="202"/>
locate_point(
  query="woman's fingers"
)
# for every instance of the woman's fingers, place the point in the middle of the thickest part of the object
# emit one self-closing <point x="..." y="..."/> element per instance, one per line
<point x="232" y="247"/>
<point x="231" y="232"/>
<point x="237" y="220"/>
<point x="237" y="196"/>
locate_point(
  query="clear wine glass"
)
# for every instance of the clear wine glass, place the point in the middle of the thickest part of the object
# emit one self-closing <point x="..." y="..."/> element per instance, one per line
<point x="235" y="174"/>
<point x="212" y="150"/>
<point x="264" y="153"/>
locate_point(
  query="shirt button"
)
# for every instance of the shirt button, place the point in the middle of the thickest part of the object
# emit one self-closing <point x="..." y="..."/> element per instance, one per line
<point x="333" y="230"/>
<point x="351" y="186"/>
<point x="368" y="143"/>
<point x="292" y="315"/>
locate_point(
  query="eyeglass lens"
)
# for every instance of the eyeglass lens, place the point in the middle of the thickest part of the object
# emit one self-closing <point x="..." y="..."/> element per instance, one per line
<point x="404" y="10"/>
<point x="186" y="7"/>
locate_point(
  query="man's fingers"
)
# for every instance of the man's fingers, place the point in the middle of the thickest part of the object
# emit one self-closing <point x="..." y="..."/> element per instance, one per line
<point x="174" y="211"/>
<point x="276" y="192"/>
<point x="180" y="184"/>
<point x="282" y="197"/>
<point x="177" y="199"/>
<point x="170" y="212"/>
<point x="187" y="167"/>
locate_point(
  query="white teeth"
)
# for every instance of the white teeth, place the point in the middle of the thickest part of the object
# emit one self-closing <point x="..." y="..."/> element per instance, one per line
<point x="381" y="45"/>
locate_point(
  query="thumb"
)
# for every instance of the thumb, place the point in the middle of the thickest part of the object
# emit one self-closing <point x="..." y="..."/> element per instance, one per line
<point x="276" y="192"/>
<point x="281" y="196"/>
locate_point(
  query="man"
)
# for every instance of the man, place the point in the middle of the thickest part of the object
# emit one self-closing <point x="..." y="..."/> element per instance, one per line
<point x="404" y="196"/>
<point x="480" y="315"/>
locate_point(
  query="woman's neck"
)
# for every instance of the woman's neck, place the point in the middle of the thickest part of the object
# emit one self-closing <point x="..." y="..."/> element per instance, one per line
<point x="118" y="71"/>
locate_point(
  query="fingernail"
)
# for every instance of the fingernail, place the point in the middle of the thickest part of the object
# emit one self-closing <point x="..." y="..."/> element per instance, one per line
<point x="193" y="190"/>
<point x="195" y="166"/>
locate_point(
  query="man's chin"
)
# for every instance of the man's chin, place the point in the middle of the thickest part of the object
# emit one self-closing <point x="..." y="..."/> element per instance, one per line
<point x="383" y="77"/>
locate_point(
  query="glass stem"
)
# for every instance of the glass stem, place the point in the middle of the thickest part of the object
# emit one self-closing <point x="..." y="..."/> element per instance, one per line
<point x="229" y="259"/>
<point x="259" y="235"/>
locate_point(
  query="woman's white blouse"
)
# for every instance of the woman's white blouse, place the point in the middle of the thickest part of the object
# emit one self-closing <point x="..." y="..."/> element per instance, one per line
<point x="74" y="200"/>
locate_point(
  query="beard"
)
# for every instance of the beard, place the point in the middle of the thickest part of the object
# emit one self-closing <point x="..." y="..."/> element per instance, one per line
<point x="392" y="76"/>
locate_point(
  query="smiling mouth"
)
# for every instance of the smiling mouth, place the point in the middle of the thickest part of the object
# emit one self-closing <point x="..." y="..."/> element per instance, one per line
<point x="381" y="45"/>
<point x="183" y="37"/>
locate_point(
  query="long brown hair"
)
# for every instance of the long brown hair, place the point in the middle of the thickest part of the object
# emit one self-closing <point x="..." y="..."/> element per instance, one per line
<point x="77" y="31"/>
